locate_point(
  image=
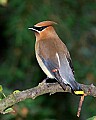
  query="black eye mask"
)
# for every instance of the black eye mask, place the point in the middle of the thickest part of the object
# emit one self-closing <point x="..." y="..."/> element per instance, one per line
<point x="39" y="28"/>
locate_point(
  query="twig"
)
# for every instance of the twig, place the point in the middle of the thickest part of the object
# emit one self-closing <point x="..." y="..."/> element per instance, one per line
<point x="41" y="89"/>
<point x="80" y="105"/>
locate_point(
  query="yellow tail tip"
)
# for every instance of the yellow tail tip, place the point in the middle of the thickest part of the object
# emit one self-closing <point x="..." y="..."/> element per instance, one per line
<point x="79" y="92"/>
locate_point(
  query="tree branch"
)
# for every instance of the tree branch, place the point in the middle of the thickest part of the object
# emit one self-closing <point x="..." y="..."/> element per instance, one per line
<point x="41" y="89"/>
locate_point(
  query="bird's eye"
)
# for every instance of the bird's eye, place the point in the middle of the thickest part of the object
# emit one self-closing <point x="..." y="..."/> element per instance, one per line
<point x="41" y="28"/>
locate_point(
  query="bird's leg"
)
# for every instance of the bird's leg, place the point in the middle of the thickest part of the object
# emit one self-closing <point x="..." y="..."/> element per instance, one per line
<point x="44" y="81"/>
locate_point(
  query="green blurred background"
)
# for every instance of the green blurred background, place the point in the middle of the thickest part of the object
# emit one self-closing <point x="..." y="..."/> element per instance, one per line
<point x="18" y="66"/>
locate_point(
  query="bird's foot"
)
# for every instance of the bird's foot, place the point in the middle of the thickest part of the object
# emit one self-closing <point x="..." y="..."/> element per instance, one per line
<point x="45" y="80"/>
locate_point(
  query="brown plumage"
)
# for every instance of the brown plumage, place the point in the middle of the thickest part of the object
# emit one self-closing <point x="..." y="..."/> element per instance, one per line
<point x="53" y="56"/>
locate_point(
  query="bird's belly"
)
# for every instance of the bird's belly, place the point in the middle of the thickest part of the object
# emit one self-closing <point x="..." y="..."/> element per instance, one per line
<point x="43" y="67"/>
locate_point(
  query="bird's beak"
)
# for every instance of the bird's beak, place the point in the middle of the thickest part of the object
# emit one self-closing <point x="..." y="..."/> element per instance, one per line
<point x="31" y="28"/>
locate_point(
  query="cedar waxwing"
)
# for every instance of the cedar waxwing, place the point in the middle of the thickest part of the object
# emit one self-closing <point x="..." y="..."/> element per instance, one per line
<point x="53" y="56"/>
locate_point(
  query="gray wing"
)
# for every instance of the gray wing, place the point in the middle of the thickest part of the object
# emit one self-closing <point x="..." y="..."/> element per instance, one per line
<point x="70" y="64"/>
<point x="61" y="70"/>
<point x="66" y="69"/>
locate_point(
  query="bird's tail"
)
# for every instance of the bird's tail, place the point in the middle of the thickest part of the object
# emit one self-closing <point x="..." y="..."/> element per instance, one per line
<point x="75" y="86"/>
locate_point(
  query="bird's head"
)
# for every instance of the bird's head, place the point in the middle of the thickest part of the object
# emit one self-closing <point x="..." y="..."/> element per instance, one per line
<point x="43" y="29"/>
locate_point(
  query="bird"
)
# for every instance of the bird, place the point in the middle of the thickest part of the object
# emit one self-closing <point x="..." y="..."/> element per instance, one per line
<point x="53" y="56"/>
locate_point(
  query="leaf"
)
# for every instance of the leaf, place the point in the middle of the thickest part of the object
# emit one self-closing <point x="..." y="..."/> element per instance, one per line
<point x="24" y="111"/>
<point x="16" y="91"/>
<point x="8" y="110"/>
<point x="92" y="118"/>
<point x="3" y="2"/>
<point x="1" y="88"/>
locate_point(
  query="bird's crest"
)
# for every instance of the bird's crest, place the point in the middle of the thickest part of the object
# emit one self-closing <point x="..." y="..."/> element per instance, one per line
<point x="45" y="23"/>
